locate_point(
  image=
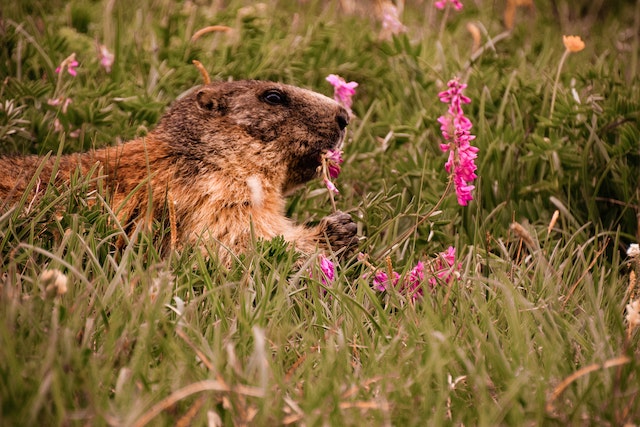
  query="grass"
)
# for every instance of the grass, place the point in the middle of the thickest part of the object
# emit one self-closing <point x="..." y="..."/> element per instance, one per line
<point x="533" y="332"/>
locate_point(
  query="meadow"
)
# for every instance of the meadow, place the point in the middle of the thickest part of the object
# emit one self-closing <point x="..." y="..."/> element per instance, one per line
<point x="531" y="323"/>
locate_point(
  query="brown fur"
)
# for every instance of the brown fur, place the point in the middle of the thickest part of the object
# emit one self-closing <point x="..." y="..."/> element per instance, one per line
<point x="224" y="156"/>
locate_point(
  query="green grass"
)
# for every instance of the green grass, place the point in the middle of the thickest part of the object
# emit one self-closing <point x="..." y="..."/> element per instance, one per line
<point x="142" y="337"/>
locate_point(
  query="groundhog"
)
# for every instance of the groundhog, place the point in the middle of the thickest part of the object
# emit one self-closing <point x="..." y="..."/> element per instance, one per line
<point x="217" y="166"/>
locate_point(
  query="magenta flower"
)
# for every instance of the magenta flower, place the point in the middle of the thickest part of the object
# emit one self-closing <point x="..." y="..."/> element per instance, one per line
<point x="328" y="270"/>
<point x="334" y="170"/>
<point x="457" y="4"/>
<point x="70" y="64"/>
<point x="334" y="160"/>
<point x="445" y="268"/>
<point x="106" y="58"/>
<point x="412" y="285"/>
<point x="455" y="129"/>
<point x="342" y="91"/>
<point x="381" y="280"/>
<point x="449" y="255"/>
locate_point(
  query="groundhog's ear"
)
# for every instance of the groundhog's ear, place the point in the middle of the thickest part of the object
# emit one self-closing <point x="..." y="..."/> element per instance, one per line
<point x="211" y="100"/>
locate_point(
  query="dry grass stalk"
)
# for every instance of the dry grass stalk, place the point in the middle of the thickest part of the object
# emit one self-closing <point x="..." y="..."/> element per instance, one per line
<point x="560" y="388"/>
<point x="209" y="29"/>
<point x="203" y="71"/>
<point x="184" y="392"/>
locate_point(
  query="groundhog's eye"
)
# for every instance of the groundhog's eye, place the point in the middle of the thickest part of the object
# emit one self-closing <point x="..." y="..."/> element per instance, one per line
<point x="274" y="97"/>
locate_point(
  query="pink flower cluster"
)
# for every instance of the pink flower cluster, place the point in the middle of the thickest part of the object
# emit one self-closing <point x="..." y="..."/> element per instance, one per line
<point x="328" y="270"/>
<point x="342" y="91"/>
<point x="410" y="286"/>
<point x="443" y="268"/>
<point x="441" y="4"/>
<point x="455" y="129"/>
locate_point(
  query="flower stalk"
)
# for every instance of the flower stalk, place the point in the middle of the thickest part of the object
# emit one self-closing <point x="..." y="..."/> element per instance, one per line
<point x="456" y="130"/>
<point x="572" y="44"/>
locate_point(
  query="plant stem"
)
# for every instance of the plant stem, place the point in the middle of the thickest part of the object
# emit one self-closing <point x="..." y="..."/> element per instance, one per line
<point x="415" y="226"/>
<point x="327" y="177"/>
<point x="555" y="84"/>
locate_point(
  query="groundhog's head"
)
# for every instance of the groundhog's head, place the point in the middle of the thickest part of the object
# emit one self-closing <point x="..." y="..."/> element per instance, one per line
<point x="282" y="130"/>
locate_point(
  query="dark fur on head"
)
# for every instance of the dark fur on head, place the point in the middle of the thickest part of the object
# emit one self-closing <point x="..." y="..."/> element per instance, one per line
<point x="282" y="125"/>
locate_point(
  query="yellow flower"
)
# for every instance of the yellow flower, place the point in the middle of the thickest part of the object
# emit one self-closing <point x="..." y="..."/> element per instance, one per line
<point x="573" y="43"/>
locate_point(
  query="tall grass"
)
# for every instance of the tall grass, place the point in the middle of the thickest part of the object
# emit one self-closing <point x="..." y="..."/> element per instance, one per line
<point x="532" y="332"/>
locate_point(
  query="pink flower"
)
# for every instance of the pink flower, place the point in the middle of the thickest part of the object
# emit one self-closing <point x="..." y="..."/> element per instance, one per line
<point x="57" y="126"/>
<point x="445" y="268"/>
<point x="455" y="128"/>
<point x="71" y="68"/>
<point x="334" y="160"/>
<point x="381" y="280"/>
<point x="331" y="186"/>
<point x="70" y="64"/>
<point x="60" y="101"/>
<point x="390" y="21"/>
<point x="449" y="255"/>
<point x="457" y="4"/>
<point x="412" y="285"/>
<point x="342" y="91"/>
<point x="328" y="270"/>
<point x="106" y="58"/>
<point x="334" y="170"/>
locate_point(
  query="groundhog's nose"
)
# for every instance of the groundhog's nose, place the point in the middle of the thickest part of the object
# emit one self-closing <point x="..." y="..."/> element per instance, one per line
<point x="343" y="119"/>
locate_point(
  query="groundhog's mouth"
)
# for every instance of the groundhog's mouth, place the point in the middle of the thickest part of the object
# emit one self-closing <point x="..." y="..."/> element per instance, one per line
<point x="321" y="155"/>
<point x="310" y="166"/>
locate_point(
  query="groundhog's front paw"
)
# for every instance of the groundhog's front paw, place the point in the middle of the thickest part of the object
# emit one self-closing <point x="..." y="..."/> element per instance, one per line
<point x="340" y="232"/>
